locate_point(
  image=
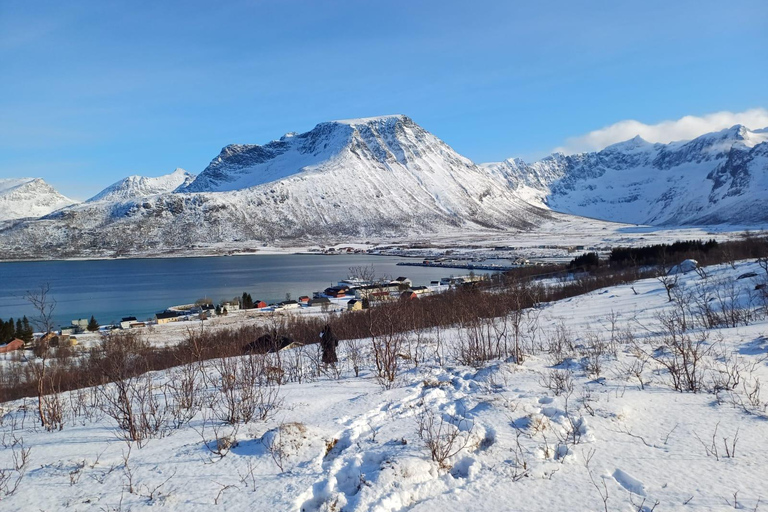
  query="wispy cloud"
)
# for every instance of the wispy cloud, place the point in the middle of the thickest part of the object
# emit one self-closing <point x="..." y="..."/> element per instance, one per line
<point x="685" y="128"/>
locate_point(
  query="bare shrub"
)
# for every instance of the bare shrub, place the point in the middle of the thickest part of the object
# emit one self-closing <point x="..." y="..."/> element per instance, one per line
<point x="682" y="354"/>
<point x="558" y="382"/>
<point x="184" y="389"/>
<point x="13" y="473"/>
<point x="444" y="437"/>
<point x="354" y="351"/>
<point x="244" y="392"/>
<point x="479" y="340"/>
<point x="592" y="352"/>
<point x="559" y="345"/>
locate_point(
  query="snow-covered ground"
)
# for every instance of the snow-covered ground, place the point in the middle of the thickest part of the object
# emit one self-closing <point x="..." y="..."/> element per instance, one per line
<point x="621" y="439"/>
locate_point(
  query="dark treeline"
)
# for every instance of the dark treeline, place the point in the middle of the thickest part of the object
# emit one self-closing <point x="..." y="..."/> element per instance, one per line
<point x="710" y="252"/>
<point x="20" y="329"/>
<point x="661" y="254"/>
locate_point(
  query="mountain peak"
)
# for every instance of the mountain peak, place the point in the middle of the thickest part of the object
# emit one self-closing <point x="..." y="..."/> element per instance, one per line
<point x="136" y="186"/>
<point x="372" y="120"/>
<point x="633" y="144"/>
<point x="29" y="197"/>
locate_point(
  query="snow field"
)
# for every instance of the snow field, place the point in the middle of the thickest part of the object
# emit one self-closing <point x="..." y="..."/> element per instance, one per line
<point x="567" y="429"/>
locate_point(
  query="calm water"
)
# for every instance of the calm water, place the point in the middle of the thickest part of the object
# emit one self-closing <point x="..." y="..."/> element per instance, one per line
<point x="111" y="289"/>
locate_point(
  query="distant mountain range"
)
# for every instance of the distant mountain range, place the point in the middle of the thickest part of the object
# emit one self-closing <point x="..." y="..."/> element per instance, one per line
<point x="717" y="178"/>
<point x="388" y="177"/>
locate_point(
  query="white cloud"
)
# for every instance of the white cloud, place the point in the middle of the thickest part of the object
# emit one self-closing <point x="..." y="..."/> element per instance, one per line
<point x="685" y="128"/>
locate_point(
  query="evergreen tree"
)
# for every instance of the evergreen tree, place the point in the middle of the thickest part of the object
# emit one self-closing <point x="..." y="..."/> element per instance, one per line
<point x="6" y="330"/>
<point x="246" y="301"/>
<point x="93" y="325"/>
<point x="19" y="329"/>
<point x="27" y="333"/>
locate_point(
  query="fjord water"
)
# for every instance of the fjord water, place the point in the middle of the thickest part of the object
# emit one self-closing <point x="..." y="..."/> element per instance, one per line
<point x="111" y="289"/>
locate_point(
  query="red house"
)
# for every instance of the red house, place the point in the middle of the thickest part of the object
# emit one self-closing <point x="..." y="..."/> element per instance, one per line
<point x="15" y="344"/>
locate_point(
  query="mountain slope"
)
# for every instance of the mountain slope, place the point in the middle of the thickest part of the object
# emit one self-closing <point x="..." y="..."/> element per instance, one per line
<point x="383" y="176"/>
<point x="717" y="178"/>
<point x="29" y="197"/>
<point x="142" y="186"/>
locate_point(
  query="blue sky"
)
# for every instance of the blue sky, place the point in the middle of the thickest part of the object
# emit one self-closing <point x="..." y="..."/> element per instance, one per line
<point x="94" y="91"/>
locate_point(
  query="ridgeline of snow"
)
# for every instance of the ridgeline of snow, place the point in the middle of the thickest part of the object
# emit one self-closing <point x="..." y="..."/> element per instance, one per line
<point x="717" y="178"/>
<point x="29" y="198"/>
<point x="134" y="187"/>
<point x="621" y="439"/>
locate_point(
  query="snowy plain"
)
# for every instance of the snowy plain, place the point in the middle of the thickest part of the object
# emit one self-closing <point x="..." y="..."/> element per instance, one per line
<point x="621" y="439"/>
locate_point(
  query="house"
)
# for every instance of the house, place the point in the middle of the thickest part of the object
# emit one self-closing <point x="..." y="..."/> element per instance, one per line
<point x="79" y="325"/>
<point x="420" y="290"/>
<point x="69" y="330"/>
<point x="336" y="291"/>
<point x="258" y="304"/>
<point x="320" y="301"/>
<point x="354" y="305"/>
<point x="402" y="281"/>
<point x="304" y="299"/>
<point x="167" y="316"/>
<point x="408" y="295"/>
<point x="289" y="304"/>
<point x="55" y="340"/>
<point x="231" y="306"/>
<point x="126" y="322"/>
<point x="13" y="345"/>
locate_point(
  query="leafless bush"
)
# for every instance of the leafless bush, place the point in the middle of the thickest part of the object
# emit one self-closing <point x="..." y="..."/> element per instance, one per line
<point x="386" y="354"/>
<point x="592" y="352"/>
<point x="185" y="392"/>
<point x="711" y="446"/>
<point x="732" y="313"/>
<point x="219" y="439"/>
<point x="479" y="341"/>
<point x="12" y="474"/>
<point x="136" y="407"/>
<point x="559" y="345"/>
<point x="558" y="382"/>
<point x="354" y="351"/>
<point x="682" y="354"/>
<point x="283" y="441"/>
<point x="633" y="368"/>
<point x="444" y="437"/>
<point x="244" y="392"/>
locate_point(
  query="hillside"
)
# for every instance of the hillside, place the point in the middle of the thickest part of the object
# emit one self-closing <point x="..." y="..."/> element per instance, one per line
<point x="589" y="420"/>
<point x="717" y="178"/>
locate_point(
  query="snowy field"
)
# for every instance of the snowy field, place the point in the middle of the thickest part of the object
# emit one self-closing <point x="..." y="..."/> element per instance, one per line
<point x="589" y="420"/>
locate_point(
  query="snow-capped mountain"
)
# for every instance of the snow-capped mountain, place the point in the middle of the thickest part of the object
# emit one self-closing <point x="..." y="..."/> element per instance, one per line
<point x="141" y="186"/>
<point x="383" y="176"/>
<point x="719" y="177"/>
<point x="29" y="197"/>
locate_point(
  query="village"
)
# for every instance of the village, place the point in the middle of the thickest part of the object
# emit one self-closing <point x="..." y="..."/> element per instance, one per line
<point x="348" y="295"/>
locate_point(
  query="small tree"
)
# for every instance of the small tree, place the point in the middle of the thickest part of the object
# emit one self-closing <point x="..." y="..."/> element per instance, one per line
<point x="328" y="343"/>
<point x="93" y="325"/>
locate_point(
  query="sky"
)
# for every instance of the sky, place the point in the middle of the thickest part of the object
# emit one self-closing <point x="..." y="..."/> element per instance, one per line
<point x="93" y="91"/>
